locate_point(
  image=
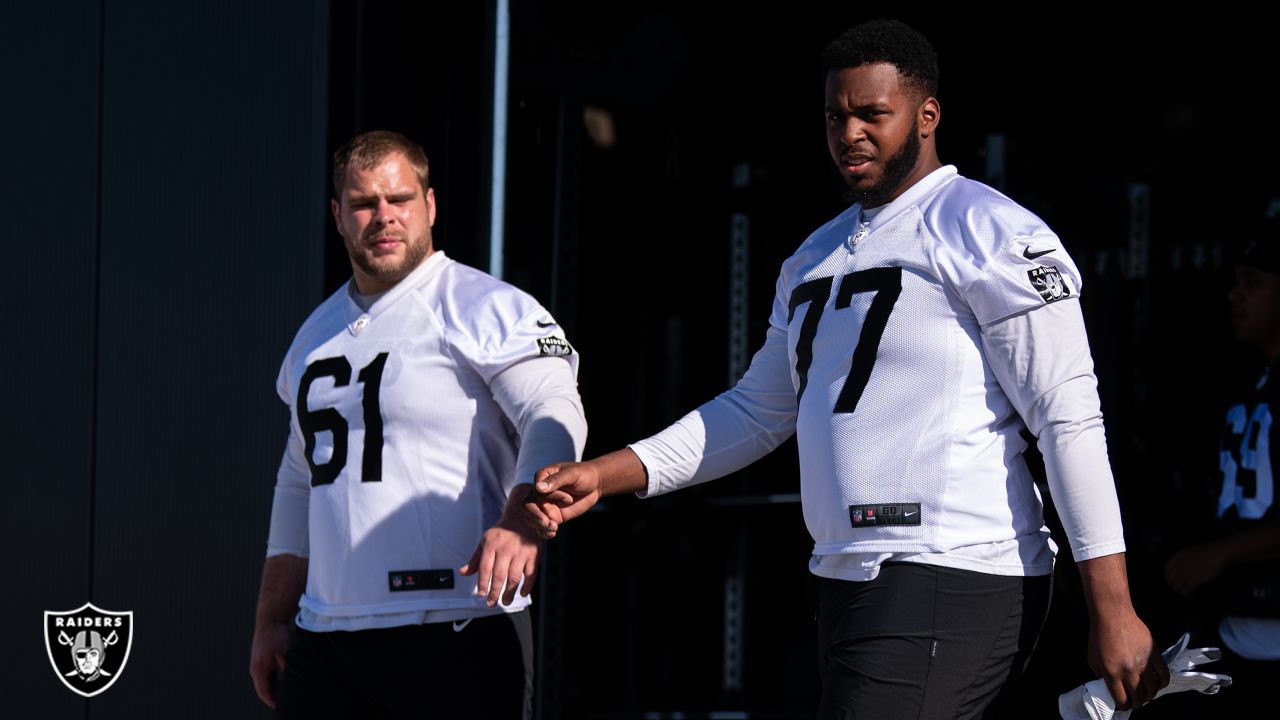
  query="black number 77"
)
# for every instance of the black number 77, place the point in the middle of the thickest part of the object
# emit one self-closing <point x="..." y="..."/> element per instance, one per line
<point x="886" y="283"/>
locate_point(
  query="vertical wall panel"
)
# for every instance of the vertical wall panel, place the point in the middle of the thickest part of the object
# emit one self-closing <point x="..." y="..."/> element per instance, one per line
<point x="214" y="207"/>
<point x="49" y="52"/>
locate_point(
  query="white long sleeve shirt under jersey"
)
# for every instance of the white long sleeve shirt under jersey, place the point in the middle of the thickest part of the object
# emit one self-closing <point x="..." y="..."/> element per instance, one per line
<point x="410" y="424"/>
<point x="906" y="351"/>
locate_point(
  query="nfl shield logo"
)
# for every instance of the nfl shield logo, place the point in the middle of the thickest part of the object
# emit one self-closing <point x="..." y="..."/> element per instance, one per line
<point x="88" y="647"/>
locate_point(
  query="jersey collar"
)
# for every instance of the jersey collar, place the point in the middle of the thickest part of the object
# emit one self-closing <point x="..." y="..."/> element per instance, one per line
<point x="913" y="195"/>
<point x="428" y="269"/>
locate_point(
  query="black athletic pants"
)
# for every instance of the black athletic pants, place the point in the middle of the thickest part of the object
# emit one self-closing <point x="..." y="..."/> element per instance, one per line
<point x="482" y="670"/>
<point x="922" y="642"/>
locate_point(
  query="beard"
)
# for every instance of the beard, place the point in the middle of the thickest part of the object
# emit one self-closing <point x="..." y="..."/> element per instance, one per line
<point x="896" y="170"/>
<point x="415" y="250"/>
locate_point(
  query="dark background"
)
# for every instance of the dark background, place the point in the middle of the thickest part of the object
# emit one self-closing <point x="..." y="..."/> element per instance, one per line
<point x="166" y="201"/>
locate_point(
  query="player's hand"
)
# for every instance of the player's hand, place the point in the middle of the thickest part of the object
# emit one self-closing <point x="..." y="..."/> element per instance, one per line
<point x="1121" y="652"/>
<point x="1193" y="567"/>
<point x="563" y="492"/>
<point x="507" y="553"/>
<point x="266" y="659"/>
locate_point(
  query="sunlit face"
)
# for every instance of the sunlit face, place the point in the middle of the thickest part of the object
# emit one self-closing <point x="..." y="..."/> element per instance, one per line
<point x="384" y="216"/>
<point x="874" y="126"/>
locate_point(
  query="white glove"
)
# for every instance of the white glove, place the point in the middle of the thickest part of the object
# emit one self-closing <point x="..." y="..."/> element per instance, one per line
<point x="1182" y="661"/>
<point x="1093" y="701"/>
<point x="1207" y="683"/>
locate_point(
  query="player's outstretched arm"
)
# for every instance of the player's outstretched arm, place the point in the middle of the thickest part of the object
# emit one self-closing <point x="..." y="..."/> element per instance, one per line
<point x="567" y="490"/>
<point x="1120" y="647"/>
<point x="284" y="578"/>
<point x="507" y="553"/>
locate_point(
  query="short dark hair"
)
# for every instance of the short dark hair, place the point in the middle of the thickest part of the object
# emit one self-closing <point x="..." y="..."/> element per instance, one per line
<point x="888" y="41"/>
<point x="369" y="149"/>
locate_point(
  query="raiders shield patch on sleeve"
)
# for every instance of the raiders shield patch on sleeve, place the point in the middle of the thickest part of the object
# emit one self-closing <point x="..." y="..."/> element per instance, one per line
<point x="1049" y="283"/>
<point x="554" y="346"/>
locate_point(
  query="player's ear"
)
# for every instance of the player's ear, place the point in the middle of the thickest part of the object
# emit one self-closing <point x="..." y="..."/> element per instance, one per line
<point x="927" y="117"/>
<point x="430" y="197"/>
<point x="337" y="214"/>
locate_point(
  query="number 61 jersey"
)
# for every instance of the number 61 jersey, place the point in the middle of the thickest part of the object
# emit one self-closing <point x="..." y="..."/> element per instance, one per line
<point x="399" y="458"/>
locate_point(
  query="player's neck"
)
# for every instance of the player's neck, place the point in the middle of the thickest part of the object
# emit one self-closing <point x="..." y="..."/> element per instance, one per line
<point x="369" y="285"/>
<point x="925" y="167"/>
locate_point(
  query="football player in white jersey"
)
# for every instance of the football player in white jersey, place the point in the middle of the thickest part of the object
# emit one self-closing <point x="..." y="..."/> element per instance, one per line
<point x="912" y="339"/>
<point x="1236" y="576"/>
<point x="420" y="392"/>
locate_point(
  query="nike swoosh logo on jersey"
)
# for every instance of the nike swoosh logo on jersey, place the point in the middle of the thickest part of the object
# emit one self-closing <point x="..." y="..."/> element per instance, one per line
<point x="1033" y="255"/>
<point x="541" y="324"/>
<point x="458" y="625"/>
<point x="908" y="514"/>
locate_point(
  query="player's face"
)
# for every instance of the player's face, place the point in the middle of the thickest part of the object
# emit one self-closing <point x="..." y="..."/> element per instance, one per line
<point x="874" y="130"/>
<point x="1255" y="307"/>
<point x="385" y="216"/>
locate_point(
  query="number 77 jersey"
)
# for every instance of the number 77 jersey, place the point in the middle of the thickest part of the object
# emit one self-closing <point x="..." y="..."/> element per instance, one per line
<point x="908" y="443"/>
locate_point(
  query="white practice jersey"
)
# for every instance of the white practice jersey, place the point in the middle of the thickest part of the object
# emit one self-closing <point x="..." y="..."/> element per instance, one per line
<point x="875" y="356"/>
<point x="397" y="448"/>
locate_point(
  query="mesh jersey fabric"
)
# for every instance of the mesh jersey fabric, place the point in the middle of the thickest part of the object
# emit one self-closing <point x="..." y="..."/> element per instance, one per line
<point x="431" y="347"/>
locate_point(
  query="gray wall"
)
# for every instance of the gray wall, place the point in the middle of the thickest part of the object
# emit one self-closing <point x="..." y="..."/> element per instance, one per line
<point x="165" y="207"/>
